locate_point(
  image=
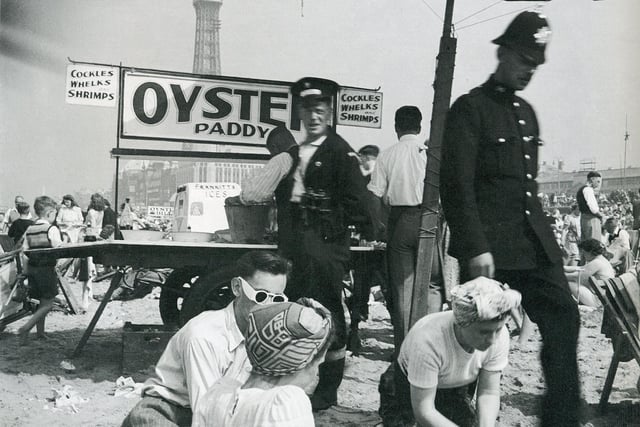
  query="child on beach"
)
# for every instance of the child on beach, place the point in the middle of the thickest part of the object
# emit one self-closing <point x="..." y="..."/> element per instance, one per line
<point x="43" y="281"/>
<point x="19" y="226"/>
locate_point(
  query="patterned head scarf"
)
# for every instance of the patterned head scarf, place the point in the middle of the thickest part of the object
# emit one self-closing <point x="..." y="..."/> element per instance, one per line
<point x="283" y="338"/>
<point x="482" y="299"/>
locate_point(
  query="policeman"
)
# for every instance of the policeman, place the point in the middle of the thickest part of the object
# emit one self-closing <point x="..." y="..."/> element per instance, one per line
<point x="316" y="202"/>
<point x="498" y="228"/>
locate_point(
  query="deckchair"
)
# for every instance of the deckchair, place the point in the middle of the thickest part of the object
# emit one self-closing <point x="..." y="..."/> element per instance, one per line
<point x="634" y="237"/>
<point x="620" y="296"/>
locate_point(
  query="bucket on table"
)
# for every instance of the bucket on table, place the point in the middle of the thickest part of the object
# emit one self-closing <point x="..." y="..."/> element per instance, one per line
<point x="248" y="223"/>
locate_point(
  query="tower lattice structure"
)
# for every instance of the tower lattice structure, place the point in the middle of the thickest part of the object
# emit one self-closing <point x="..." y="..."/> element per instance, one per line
<point x="206" y="56"/>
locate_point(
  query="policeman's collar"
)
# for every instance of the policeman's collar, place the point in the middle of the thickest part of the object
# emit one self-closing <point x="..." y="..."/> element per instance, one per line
<point x="493" y="86"/>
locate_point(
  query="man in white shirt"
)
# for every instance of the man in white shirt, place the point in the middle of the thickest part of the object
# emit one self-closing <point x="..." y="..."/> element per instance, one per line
<point x="210" y="346"/>
<point x="590" y="216"/>
<point x="398" y="180"/>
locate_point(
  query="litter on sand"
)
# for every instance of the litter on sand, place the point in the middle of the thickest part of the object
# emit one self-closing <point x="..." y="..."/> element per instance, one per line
<point x="127" y="387"/>
<point x="67" y="397"/>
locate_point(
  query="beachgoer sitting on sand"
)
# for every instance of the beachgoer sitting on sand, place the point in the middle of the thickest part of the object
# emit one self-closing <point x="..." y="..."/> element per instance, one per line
<point x="448" y="356"/>
<point x="596" y="265"/>
<point x="285" y="343"/>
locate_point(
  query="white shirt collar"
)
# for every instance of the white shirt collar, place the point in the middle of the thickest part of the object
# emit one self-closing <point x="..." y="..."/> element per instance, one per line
<point x="316" y="142"/>
<point x="232" y="327"/>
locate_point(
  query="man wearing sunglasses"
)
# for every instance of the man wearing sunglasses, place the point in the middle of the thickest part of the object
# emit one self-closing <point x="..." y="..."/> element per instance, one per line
<point x="210" y="346"/>
<point x="498" y="227"/>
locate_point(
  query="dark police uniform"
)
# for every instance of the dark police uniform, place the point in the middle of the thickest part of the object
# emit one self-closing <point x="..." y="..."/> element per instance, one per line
<point x="317" y="240"/>
<point x="489" y="197"/>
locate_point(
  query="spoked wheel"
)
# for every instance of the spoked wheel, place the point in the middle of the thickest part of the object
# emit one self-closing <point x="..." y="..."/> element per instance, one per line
<point x="212" y="291"/>
<point x="174" y="292"/>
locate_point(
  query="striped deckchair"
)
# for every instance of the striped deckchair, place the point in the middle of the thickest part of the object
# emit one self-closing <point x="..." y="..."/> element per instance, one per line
<point x="621" y="298"/>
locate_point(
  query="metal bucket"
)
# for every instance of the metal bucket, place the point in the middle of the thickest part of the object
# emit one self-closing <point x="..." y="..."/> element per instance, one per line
<point x="248" y="223"/>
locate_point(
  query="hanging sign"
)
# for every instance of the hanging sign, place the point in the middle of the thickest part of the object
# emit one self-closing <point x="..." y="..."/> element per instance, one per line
<point x="160" y="105"/>
<point x="361" y="108"/>
<point x="91" y="85"/>
<point x="217" y="111"/>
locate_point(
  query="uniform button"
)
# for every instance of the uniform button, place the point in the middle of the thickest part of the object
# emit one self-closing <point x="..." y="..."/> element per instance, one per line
<point x="526" y="138"/>
<point x="522" y="122"/>
<point x="501" y="140"/>
<point x="527" y="212"/>
<point x="528" y="157"/>
<point x="528" y="193"/>
<point x="516" y="104"/>
<point x="529" y="176"/>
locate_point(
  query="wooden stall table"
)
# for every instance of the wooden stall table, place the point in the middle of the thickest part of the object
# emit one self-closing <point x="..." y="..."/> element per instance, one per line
<point x="207" y="256"/>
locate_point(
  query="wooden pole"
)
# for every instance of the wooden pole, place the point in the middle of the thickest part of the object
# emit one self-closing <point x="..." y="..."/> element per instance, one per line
<point x="427" y="244"/>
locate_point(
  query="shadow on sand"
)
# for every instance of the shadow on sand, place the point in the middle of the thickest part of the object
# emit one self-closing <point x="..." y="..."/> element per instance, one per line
<point x="43" y="357"/>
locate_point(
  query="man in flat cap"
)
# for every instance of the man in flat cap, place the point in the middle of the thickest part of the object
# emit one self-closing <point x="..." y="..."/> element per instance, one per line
<point x="316" y="202"/>
<point x="498" y="227"/>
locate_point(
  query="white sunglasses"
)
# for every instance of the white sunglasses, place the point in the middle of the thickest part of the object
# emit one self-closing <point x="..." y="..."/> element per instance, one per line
<point x="260" y="296"/>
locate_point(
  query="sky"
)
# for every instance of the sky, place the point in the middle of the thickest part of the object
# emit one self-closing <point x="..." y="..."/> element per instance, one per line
<point x="583" y="94"/>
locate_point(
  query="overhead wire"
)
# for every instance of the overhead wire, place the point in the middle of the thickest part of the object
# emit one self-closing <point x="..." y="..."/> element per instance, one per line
<point x="478" y="12"/>
<point x="432" y="10"/>
<point x="491" y="19"/>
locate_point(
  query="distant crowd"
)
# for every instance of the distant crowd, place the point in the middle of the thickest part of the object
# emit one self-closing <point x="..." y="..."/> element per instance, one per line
<point x="98" y="220"/>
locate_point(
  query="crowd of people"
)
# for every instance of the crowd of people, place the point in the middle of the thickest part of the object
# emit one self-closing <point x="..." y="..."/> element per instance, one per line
<point x="277" y="352"/>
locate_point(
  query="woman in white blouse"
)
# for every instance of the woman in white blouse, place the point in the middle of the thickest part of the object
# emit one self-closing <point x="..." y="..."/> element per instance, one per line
<point x="596" y="265"/>
<point x="69" y="218"/>
<point x="285" y="343"/>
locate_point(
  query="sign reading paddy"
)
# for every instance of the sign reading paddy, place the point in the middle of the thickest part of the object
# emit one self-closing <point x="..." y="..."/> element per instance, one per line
<point x="218" y="110"/>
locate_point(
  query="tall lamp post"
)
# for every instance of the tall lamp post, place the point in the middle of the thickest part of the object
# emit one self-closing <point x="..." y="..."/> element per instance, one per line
<point x="624" y="166"/>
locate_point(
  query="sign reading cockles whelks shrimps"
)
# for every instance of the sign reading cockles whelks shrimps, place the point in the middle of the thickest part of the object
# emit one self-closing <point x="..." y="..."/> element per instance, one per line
<point x="233" y="111"/>
<point x="92" y="85"/>
<point x="362" y="108"/>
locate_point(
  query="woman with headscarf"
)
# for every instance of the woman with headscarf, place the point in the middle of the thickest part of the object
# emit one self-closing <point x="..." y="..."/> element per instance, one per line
<point x="596" y="265"/>
<point x="448" y="357"/>
<point x="69" y="218"/>
<point x="285" y="343"/>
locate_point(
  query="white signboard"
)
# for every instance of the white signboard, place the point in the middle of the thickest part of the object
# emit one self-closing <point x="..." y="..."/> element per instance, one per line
<point x="186" y="108"/>
<point x="361" y="108"/>
<point x="91" y="85"/>
<point x="160" y="211"/>
<point x="224" y="110"/>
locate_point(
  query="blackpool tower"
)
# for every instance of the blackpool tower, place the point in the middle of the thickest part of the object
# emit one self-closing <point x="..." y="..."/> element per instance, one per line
<point x="206" y="56"/>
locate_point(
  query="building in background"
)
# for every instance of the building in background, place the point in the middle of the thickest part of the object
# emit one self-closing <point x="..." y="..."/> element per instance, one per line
<point x="553" y="180"/>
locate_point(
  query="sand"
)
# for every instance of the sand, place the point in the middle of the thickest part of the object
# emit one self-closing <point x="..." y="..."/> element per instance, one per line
<point x="30" y="374"/>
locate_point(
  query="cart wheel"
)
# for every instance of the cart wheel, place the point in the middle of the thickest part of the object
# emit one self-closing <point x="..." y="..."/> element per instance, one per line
<point x="212" y="291"/>
<point x="173" y="293"/>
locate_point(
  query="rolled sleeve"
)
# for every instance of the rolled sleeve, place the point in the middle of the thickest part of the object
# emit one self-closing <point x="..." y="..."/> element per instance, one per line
<point x="259" y="187"/>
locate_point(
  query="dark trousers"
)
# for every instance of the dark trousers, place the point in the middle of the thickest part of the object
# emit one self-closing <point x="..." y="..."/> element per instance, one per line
<point x="453" y="403"/>
<point x="402" y="252"/>
<point x="318" y="269"/>
<point x="547" y="300"/>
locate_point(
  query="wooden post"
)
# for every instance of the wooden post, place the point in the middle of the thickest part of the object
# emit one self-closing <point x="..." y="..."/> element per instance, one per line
<point x="427" y="248"/>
